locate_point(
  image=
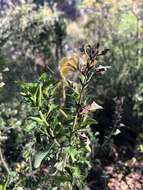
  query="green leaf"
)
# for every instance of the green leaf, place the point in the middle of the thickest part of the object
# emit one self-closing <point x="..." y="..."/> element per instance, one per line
<point x="43" y="77"/>
<point x="88" y="147"/>
<point x="40" y="95"/>
<point x="51" y="108"/>
<point x="30" y="126"/>
<point x="19" y="188"/>
<point x="86" y="123"/>
<point x="34" y="97"/>
<point x="37" y="119"/>
<point x="39" y="158"/>
<point x="63" y="113"/>
<point x="141" y="148"/>
<point x="90" y="121"/>
<point x="76" y="171"/>
<point x="82" y="78"/>
<point x="2" y="187"/>
<point x="72" y="152"/>
<point x="85" y="161"/>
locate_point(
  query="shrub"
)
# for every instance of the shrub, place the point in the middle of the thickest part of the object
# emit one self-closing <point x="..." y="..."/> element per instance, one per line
<point x="60" y="134"/>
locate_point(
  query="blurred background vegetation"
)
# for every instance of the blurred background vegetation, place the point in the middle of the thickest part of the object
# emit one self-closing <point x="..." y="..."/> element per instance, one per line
<point x="33" y="37"/>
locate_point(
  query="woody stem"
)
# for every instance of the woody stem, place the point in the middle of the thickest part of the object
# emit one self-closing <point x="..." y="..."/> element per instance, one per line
<point x="79" y="103"/>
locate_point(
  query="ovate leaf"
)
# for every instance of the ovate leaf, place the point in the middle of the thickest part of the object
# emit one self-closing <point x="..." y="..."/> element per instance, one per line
<point x="39" y="158"/>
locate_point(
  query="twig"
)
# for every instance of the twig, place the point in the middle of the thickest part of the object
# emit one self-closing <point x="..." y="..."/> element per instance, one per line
<point x="84" y="85"/>
<point x="4" y="162"/>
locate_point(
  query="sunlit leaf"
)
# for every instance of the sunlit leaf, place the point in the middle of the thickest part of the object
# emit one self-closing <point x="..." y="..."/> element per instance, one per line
<point x="2" y="84"/>
<point x="2" y="187"/>
<point x="117" y="132"/>
<point x="37" y="119"/>
<point x="39" y="158"/>
<point x="19" y="188"/>
<point x="76" y="171"/>
<point x="91" y="108"/>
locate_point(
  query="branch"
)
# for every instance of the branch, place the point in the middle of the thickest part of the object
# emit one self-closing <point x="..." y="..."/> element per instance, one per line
<point x="4" y="162"/>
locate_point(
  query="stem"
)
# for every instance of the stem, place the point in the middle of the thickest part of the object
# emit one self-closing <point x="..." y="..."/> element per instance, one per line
<point x="77" y="111"/>
<point x="75" y="121"/>
<point x="84" y="85"/>
<point x="79" y="102"/>
<point x="30" y="164"/>
<point x="4" y="162"/>
<point x="81" y="93"/>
